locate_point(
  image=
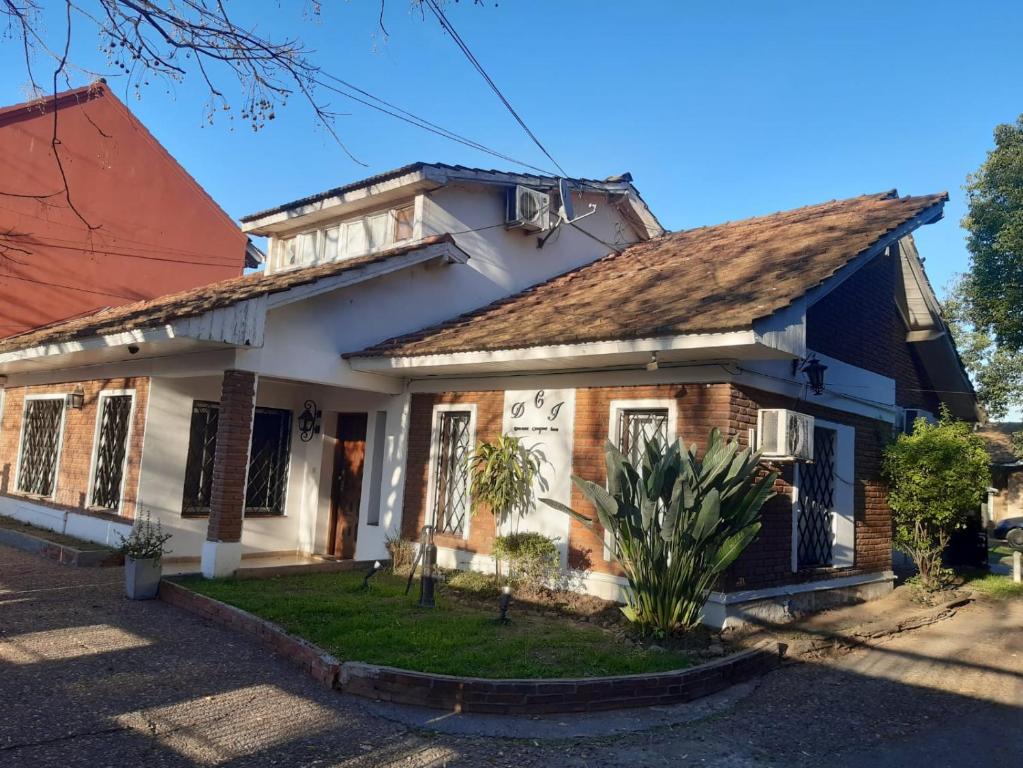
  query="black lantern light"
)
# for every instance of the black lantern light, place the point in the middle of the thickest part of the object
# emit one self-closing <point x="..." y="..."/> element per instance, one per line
<point x="503" y="605"/>
<point x="814" y="370"/>
<point x="76" y="399"/>
<point x="309" y="421"/>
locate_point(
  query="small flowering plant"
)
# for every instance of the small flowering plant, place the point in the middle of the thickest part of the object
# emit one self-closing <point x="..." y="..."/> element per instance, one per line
<point x="146" y="540"/>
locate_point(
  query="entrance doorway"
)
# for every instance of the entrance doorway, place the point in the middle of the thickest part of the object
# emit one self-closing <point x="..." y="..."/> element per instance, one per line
<point x="346" y="490"/>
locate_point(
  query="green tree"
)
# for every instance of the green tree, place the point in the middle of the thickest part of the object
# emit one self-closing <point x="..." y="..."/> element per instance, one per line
<point x="994" y="223"/>
<point x="502" y="474"/>
<point x="936" y="477"/>
<point x="997" y="372"/>
<point x="676" y="523"/>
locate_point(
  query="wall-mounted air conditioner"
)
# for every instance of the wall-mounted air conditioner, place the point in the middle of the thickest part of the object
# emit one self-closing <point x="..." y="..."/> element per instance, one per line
<point x="528" y="209"/>
<point x="784" y="435"/>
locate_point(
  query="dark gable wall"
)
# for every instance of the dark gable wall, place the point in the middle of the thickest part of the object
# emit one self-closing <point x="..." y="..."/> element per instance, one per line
<point x="859" y="323"/>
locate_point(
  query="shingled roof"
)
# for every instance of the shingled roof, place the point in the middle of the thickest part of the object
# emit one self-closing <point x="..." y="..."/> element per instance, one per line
<point x="712" y="279"/>
<point x="197" y="301"/>
<point x="998" y="441"/>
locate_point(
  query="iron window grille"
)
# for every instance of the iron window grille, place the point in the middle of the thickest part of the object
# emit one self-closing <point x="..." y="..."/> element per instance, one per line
<point x="40" y="444"/>
<point x="639" y="426"/>
<point x="451" y="486"/>
<point x="816" y="503"/>
<point x="269" y="455"/>
<point x="111" y="449"/>
<point x="202" y="449"/>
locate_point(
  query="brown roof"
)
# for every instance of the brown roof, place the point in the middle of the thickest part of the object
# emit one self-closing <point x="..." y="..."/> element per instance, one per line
<point x="998" y="441"/>
<point x="197" y="301"/>
<point x="705" y="280"/>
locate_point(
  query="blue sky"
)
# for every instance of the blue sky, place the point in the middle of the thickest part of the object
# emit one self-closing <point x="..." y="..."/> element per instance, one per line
<point x="719" y="110"/>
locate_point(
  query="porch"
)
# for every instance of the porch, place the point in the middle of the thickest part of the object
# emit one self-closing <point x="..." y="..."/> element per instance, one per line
<point x="254" y="473"/>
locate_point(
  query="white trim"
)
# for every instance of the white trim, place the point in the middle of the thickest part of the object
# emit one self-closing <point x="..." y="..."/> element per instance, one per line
<point x="438" y="408"/>
<point x="95" y="448"/>
<point x="817" y="585"/>
<point x="843" y="515"/>
<point x="692" y="341"/>
<point x="60" y="444"/>
<point x="614" y="415"/>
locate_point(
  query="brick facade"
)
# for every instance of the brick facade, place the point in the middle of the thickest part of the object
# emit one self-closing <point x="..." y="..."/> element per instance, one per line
<point x="700" y="408"/>
<point x="230" y="463"/>
<point x="853" y="322"/>
<point x="71" y="490"/>
<point x="489" y="407"/>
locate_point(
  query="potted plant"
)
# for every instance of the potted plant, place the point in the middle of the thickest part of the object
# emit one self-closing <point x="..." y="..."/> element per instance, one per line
<point x="142" y="550"/>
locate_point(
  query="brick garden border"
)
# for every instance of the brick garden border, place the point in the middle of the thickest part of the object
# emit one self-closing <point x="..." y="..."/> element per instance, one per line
<point x="62" y="553"/>
<point x="473" y="694"/>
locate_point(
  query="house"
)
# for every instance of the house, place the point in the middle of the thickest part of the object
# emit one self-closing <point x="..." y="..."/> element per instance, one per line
<point x="1005" y="496"/>
<point x="327" y="403"/>
<point x="137" y="224"/>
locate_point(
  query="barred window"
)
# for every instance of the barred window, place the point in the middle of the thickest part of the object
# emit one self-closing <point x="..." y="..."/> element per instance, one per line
<point x="202" y="447"/>
<point x="268" y="462"/>
<point x="451" y="474"/>
<point x="269" y="456"/>
<point x="111" y="449"/>
<point x="40" y="444"/>
<point x="637" y="427"/>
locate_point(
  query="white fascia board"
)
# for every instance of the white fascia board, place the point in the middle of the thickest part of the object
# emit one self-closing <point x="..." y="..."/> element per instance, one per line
<point x="123" y="338"/>
<point x="927" y="216"/>
<point x="335" y="205"/>
<point x="596" y="349"/>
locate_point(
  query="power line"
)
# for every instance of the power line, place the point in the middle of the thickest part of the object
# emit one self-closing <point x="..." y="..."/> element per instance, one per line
<point x="447" y="26"/>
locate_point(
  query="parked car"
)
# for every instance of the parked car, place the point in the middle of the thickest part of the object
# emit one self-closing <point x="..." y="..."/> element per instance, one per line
<point x="1004" y="526"/>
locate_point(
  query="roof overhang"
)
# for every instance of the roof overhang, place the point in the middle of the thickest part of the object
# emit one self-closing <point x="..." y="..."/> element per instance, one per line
<point x="238" y="325"/>
<point x="602" y="355"/>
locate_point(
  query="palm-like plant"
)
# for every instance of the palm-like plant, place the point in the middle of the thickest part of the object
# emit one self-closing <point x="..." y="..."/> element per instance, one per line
<point x="676" y="522"/>
<point x="502" y="474"/>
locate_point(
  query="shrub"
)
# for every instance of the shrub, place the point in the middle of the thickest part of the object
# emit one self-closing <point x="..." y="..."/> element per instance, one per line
<point x="480" y="585"/>
<point x="532" y="558"/>
<point x="403" y="554"/>
<point x="937" y="477"/>
<point x="145" y="541"/>
<point x="676" y="523"/>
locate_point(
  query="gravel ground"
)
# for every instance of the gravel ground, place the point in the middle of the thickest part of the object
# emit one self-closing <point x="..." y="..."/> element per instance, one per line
<point x="89" y="678"/>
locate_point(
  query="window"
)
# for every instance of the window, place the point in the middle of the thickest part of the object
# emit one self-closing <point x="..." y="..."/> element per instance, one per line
<point x="402" y="220"/>
<point x="268" y="462"/>
<point x="202" y="447"/>
<point x="823" y="501"/>
<point x="637" y="427"/>
<point x="111" y="450"/>
<point x="452" y="443"/>
<point x="269" y="456"/>
<point x="40" y="445"/>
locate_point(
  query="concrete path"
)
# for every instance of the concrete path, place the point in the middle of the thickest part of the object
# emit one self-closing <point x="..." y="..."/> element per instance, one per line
<point x="88" y="678"/>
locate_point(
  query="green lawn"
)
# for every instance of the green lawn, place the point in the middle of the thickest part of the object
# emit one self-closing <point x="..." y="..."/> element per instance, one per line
<point x="993" y="585"/>
<point x="383" y="626"/>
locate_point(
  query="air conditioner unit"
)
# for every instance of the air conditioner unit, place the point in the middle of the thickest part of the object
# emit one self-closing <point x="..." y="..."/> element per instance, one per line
<point x="528" y="209"/>
<point x="784" y="435"/>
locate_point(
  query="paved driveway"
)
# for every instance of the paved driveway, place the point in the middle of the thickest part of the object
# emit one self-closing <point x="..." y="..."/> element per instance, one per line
<point x="88" y="678"/>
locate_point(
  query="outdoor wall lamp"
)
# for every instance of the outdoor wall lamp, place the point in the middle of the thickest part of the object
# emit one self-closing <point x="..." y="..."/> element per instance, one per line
<point x="309" y="421"/>
<point x="503" y="605"/>
<point x="76" y="399"/>
<point x="814" y="370"/>
<point x="377" y="565"/>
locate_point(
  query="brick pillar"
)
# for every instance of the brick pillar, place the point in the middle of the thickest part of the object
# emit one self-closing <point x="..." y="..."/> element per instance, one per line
<point x="221" y="553"/>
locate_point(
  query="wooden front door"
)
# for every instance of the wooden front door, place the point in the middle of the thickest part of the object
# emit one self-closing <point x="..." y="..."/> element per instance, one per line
<point x="349" y="458"/>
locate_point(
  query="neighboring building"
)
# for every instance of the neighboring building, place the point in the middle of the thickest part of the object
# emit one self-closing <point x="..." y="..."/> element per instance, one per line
<point x="328" y="403"/>
<point x="1005" y="496"/>
<point x="148" y="228"/>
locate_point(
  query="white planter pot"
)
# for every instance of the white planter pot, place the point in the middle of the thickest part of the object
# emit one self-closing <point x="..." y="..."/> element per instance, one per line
<point x="141" y="578"/>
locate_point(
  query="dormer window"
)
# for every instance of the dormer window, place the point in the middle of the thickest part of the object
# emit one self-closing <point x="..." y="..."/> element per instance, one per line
<point x="347" y="239"/>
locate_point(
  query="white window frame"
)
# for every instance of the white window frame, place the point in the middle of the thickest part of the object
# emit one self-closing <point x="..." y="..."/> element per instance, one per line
<point x="60" y="445"/>
<point x="95" y="448"/>
<point x="431" y="484"/>
<point x="641" y="404"/>
<point x="843" y="518"/>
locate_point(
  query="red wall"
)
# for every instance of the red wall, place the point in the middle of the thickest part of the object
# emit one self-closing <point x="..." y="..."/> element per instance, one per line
<point x="155" y="230"/>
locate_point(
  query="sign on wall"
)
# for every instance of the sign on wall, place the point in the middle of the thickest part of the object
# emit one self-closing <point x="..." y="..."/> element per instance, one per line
<point x="544" y="419"/>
